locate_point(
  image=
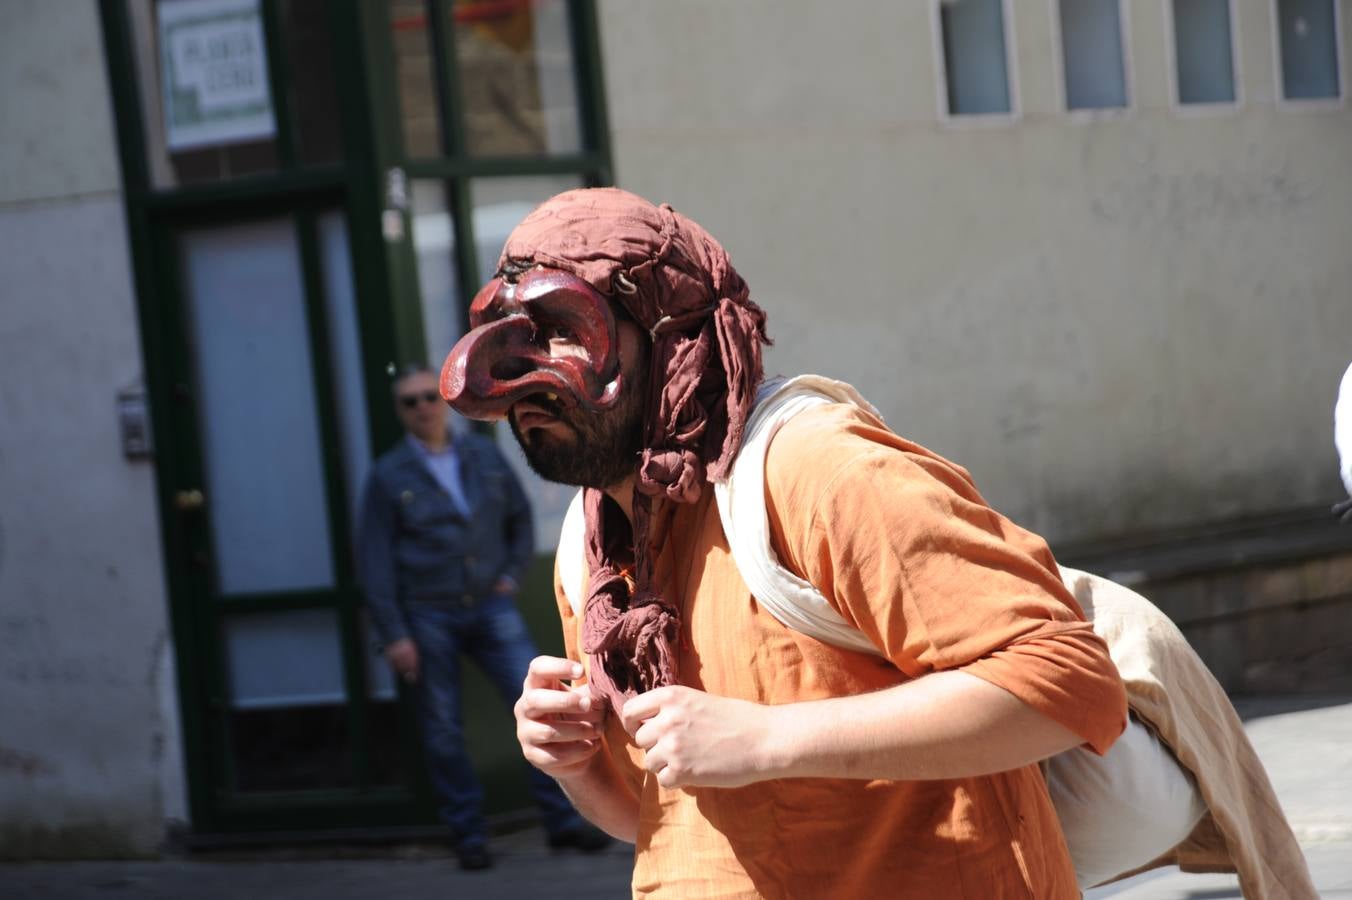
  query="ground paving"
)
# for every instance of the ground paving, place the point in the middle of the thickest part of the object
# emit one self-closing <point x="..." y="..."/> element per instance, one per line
<point x="1306" y="744"/>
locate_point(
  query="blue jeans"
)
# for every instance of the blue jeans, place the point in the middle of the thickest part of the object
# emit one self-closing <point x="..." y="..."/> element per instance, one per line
<point x="493" y="634"/>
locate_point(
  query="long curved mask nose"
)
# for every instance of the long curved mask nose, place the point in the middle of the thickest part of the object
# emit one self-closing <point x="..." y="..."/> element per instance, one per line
<point x="507" y="354"/>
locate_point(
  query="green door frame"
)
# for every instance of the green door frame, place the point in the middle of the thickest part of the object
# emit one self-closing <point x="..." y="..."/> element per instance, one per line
<point x="390" y="324"/>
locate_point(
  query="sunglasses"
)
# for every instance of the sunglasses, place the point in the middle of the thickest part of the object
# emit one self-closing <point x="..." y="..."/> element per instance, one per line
<point x="411" y="401"/>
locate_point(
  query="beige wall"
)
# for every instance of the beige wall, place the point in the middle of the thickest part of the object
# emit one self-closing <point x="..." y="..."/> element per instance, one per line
<point x="1116" y="322"/>
<point x="58" y="122"/>
<point x="89" y="753"/>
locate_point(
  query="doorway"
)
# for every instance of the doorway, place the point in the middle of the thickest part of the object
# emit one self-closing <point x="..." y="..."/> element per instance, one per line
<point x="314" y="190"/>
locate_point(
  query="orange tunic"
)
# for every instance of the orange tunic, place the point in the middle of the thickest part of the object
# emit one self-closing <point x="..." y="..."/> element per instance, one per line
<point x="901" y="543"/>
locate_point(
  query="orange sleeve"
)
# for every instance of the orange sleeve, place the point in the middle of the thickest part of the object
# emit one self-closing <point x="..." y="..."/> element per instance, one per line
<point x="902" y="544"/>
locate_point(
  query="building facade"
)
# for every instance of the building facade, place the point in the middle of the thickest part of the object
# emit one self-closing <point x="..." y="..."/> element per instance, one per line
<point x="1094" y="250"/>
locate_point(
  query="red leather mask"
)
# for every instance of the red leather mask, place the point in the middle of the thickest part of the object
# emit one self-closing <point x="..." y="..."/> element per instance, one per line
<point x="507" y="356"/>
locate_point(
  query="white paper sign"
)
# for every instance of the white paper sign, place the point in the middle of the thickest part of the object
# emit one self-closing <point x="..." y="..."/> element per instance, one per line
<point x="214" y="73"/>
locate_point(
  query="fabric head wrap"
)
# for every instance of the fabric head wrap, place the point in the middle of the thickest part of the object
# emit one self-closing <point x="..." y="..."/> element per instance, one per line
<point x="677" y="283"/>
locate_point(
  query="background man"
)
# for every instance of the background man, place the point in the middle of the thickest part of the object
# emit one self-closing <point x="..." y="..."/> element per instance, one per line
<point x="744" y="758"/>
<point x="444" y="538"/>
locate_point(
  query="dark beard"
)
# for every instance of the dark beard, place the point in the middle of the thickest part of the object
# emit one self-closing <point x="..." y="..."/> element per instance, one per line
<point x="603" y="452"/>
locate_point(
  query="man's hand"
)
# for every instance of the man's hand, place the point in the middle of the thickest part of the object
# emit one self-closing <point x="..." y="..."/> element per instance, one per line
<point x="693" y="738"/>
<point x="403" y="658"/>
<point x="505" y="584"/>
<point x="557" y="726"/>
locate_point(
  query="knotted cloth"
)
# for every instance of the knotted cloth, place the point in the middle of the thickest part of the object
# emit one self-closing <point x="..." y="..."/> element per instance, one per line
<point x="678" y="284"/>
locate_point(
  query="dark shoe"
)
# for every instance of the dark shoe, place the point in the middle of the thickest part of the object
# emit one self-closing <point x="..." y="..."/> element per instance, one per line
<point x="1344" y="511"/>
<point x="584" y="838"/>
<point x="474" y="856"/>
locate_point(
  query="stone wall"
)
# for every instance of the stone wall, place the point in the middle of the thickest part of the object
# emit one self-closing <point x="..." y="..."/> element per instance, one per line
<point x="90" y="759"/>
<point x="1280" y="628"/>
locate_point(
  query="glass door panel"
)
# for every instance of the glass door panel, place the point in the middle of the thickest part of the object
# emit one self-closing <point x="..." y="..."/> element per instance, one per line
<point x="288" y="715"/>
<point x="263" y="376"/>
<point x="313" y="93"/>
<point x="499" y="205"/>
<point x="415" y="74"/>
<point x="259" y="427"/>
<point x="282" y="660"/>
<point x="517" y="77"/>
<point x="438" y="275"/>
<point x="345" y="355"/>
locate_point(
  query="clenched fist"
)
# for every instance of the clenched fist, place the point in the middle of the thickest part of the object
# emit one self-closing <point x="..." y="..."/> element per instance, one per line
<point x="697" y="739"/>
<point x="403" y="658"/>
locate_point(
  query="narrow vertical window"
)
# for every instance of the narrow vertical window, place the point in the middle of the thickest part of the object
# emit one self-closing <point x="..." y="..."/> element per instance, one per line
<point x="416" y="77"/>
<point x="1091" y="48"/>
<point x="976" y="68"/>
<point x="1307" y="32"/>
<point x="1204" y="51"/>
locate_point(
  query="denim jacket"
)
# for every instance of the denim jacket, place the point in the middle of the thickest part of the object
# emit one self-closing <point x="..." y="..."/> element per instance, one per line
<point x="414" y="546"/>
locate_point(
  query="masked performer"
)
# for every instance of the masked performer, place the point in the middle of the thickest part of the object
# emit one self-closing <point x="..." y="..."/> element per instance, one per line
<point x="743" y="757"/>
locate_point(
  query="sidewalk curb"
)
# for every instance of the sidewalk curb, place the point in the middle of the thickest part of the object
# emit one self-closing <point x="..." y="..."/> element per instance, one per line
<point x="1332" y="833"/>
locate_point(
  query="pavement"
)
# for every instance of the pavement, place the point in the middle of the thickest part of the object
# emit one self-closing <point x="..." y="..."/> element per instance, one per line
<point x="525" y="869"/>
<point x="1305" y="743"/>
